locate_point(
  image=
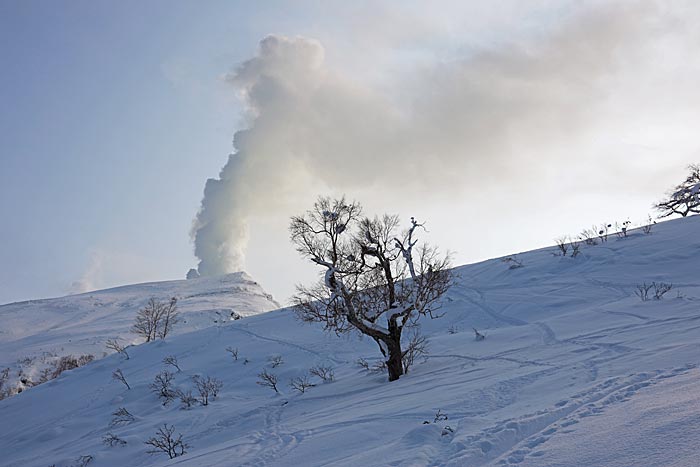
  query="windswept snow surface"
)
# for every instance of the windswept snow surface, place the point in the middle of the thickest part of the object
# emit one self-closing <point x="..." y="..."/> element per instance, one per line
<point x="575" y="371"/>
<point x="36" y="332"/>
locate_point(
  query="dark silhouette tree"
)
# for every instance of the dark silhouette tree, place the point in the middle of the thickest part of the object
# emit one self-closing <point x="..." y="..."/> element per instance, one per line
<point x="377" y="279"/>
<point x="684" y="198"/>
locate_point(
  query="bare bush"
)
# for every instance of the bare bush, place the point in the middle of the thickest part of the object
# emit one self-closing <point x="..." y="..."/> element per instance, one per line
<point x="186" y="398"/>
<point x="83" y="461"/>
<point x="207" y="388"/>
<point x="575" y="248"/>
<point x="643" y="291"/>
<point x="119" y="376"/>
<point x="301" y="383"/>
<point x="233" y="352"/>
<point x="563" y="245"/>
<point x="275" y="361"/>
<point x="513" y="262"/>
<point x="603" y="232"/>
<point x="165" y="441"/>
<point x="439" y="416"/>
<point x="268" y="380"/>
<point x="646" y="228"/>
<point x="588" y="236"/>
<point x="121" y="416"/>
<point x="113" y="344"/>
<point x="478" y="336"/>
<point x="363" y="363"/>
<point x="660" y="289"/>
<point x="70" y="362"/>
<point x="162" y="385"/>
<point x="172" y="361"/>
<point x="326" y="373"/>
<point x="110" y="439"/>
<point x="156" y="319"/>
<point x="417" y="346"/>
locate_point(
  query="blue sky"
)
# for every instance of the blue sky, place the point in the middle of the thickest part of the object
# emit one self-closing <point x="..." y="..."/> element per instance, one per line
<point x="114" y="114"/>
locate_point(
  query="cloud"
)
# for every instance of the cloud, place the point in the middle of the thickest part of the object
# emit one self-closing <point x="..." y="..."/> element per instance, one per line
<point x="497" y="116"/>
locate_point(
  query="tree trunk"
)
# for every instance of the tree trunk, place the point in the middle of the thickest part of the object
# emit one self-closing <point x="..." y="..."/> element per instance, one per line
<point x="394" y="364"/>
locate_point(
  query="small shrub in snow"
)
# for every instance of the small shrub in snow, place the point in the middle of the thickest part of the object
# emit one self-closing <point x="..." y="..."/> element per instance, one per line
<point x="186" y="398"/>
<point x="207" y="388"/>
<point x="172" y="361"/>
<point x="660" y="289"/>
<point x="69" y="362"/>
<point x="363" y="363"/>
<point x="621" y="229"/>
<point x="233" y="352"/>
<point x="110" y="439"/>
<point x="83" y="461"/>
<point x="478" y="336"/>
<point x="513" y="262"/>
<point x="121" y="416"/>
<point x="646" y="228"/>
<point x="447" y="430"/>
<point x="162" y="385"/>
<point x="643" y="291"/>
<point x="452" y="329"/>
<point x="166" y="441"/>
<point x="575" y="248"/>
<point x="113" y="344"/>
<point x="268" y="380"/>
<point x="588" y="236"/>
<point x="301" y="383"/>
<point x="275" y="360"/>
<point x="119" y="376"/>
<point x="439" y="416"/>
<point x="417" y="346"/>
<point x="563" y="246"/>
<point x="324" y="372"/>
<point x="603" y="232"/>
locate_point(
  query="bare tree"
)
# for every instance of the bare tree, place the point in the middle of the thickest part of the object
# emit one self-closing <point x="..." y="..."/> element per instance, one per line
<point x="119" y="376"/>
<point x="233" y="352"/>
<point x="275" y="360"/>
<point x="110" y="439"/>
<point x="172" y="361"/>
<point x="156" y="319"/>
<point x="376" y="280"/>
<point x="301" y="383"/>
<point x="165" y="441"/>
<point x="113" y="344"/>
<point x="186" y="398"/>
<point x="643" y="291"/>
<point x="268" y="380"/>
<point x="684" y="198"/>
<point x="162" y="385"/>
<point x="121" y="416"/>
<point x="324" y="372"/>
<point x="207" y="387"/>
<point x="660" y="289"/>
<point x="169" y="318"/>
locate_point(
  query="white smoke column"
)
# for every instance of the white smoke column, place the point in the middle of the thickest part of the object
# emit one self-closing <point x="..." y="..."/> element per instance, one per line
<point x="469" y="123"/>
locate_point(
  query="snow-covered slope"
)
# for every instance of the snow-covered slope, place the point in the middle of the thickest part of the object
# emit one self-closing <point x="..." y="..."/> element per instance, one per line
<point x="33" y="334"/>
<point x="575" y="370"/>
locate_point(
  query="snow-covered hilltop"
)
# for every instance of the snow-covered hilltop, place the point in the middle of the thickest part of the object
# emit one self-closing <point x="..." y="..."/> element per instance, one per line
<point x="35" y="333"/>
<point x="575" y="370"/>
